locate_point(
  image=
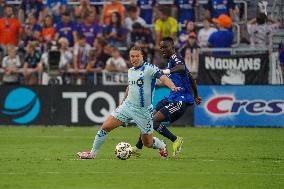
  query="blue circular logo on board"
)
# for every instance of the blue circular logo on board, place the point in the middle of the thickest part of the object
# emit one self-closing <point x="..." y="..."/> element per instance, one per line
<point x="22" y="105"/>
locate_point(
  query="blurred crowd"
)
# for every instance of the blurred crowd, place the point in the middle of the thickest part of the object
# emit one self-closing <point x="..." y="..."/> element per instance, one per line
<point x="75" y="40"/>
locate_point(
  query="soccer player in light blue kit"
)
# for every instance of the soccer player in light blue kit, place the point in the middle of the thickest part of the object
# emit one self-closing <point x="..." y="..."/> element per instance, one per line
<point x="174" y="106"/>
<point x="137" y="105"/>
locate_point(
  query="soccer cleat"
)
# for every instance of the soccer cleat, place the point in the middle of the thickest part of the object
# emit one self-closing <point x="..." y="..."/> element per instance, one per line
<point x="136" y="151"/>
<point x="86" y="155"/>
<point x="177" y="146"/>
<point x="164" y="153"/>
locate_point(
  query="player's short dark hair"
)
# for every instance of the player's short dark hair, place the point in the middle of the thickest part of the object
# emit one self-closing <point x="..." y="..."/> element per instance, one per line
<point x="169" y="40"/>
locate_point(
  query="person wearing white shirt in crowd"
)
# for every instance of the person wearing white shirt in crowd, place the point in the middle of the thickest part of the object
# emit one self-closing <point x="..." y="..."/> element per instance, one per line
<point x="205" y="32"/>
<point x="81" y="53"/>
<point x="66" y="55"/>
<point x="116" y="63"/>
<point x="11" y="64"/>
<point x="133" y="16"/>
<point x="261" y="30"/>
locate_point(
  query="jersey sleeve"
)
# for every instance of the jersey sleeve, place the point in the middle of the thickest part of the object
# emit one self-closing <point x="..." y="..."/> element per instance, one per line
<point x="154" y="71"/>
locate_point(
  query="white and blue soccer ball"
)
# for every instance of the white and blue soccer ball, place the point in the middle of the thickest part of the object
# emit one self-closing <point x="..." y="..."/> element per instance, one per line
<point x="123" y="150"/>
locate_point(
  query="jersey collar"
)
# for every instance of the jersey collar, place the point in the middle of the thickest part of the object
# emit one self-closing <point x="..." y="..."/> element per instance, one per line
<point x="137" y="68"/>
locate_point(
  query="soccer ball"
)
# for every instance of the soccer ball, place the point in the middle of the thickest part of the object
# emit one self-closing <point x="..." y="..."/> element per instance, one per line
<point x="123" y="150"/>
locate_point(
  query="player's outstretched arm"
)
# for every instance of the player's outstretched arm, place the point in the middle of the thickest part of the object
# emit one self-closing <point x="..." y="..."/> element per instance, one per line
<point x="177" y="69"/>
<point x="166" y="81"/>
<point x="193" y="86"/>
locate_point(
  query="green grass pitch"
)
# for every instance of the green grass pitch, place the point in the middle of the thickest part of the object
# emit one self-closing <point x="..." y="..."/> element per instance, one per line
<point x="221" y="158"/>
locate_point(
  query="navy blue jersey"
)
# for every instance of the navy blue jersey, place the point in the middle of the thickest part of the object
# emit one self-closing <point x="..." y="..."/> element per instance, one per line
<point x="180" y="80"/>
<point x="185" y="10"/>
<point x="146" y="9"/>
<point x="218" y="7"/>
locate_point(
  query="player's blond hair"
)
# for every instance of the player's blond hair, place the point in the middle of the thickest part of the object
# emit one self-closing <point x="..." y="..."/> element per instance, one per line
<point x="136" y="48"/>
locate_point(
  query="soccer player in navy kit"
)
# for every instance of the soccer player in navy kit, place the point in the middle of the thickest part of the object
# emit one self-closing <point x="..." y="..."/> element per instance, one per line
<point x="174" y="106"/>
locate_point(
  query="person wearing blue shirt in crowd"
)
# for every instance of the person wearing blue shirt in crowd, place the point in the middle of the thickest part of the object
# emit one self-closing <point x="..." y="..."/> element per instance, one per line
<point x="281" y="57"/>
<point x="223" y="38"/>
<point x="146" y="9"/>
<point x="30" y="7"/>
<point x="52" y="3"/>
<point x="215" y="8"/>
<point x="67" y="28"/>
<point x="186" y="10"/>
<point x="175" y="105"/>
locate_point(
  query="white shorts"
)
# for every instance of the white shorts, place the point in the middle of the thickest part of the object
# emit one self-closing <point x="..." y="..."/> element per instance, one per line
<point x="143" y="117"/>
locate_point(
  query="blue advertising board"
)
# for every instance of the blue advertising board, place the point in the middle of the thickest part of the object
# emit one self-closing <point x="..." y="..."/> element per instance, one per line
<point x="249" y="106"/>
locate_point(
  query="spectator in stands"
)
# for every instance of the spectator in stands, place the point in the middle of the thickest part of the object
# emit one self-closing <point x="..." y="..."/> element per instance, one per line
<point x="183" y="34"/>
<point x="190" y="52"/>
<point x="2" y="6"/>
<point x="35" y="7"/>
<point x="98" y="62"/>
<point x="165" y="26"/>
<point x="32" y="30"/>
<point x="281" y="57"/>
<point x="32" y="66"/>
<point x="83" y="9"/>
<point x="116" y="63"/>
<point x="66" y="55"/>
<point x="261" y="30"/>
<point x="11" y="65"/>
<point x="48" y="30"/>
<point x="109" y="9"/>
<point x="133" y="17"/>
<point x="101" y="56"/>
<point x="146" y="9"/>
<point x="54" y="3"/>
<point x="58" y="11"/>
<point x="81" y="52"/>
<point x="205" y="32"/>
<point x="66" y="28"/>
<point x="223" y="38"/>
<point x="191" y="60"/>
<point x="186" y="10"/>
<point x="114" y="33"/>
<point x="65" y="60"/>
<point x="89" y="28"/>
<point x="190" y="43"/>
<point x="142" y="37"/>
<point x="215" y="8"/>
<point x="10" y="28"/>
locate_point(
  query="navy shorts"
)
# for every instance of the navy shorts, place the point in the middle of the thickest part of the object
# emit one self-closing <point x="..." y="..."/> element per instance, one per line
<point x="172" y="110"/>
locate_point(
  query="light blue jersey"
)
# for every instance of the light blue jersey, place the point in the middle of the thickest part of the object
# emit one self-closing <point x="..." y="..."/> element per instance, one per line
<point x="138" y="104"/>
<point x="142" y="81"/>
